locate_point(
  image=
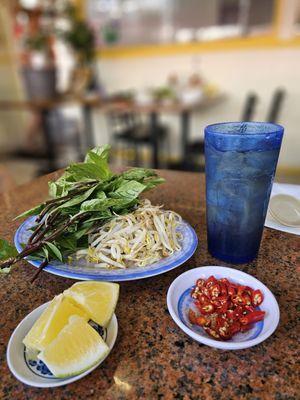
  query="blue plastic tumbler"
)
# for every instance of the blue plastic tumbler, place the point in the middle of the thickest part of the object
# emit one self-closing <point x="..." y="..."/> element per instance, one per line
<point x="240" y="164"/>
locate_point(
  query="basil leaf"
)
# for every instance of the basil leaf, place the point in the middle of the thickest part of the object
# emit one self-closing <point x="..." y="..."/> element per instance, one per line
<point x="138" y="174"/>
<point x="102" y="152"/>
<point x="7" y="250"/>
<point x="86" y="171"/>
<point x="79" y="198"/>
<point x="55" y="250"/>
<point x="152" y="183"/>
<point x="129" y="190"/>
<point x="68" y="242"/>
<point x="46" y="252"/>
<point x="33" y="211"/>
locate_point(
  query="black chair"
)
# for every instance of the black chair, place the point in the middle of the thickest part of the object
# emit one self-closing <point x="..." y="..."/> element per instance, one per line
<point x="129" y="129"/>
<point x="276" y="105"/>
<point x="249" y="107"/>
<point x="195" y="149"/>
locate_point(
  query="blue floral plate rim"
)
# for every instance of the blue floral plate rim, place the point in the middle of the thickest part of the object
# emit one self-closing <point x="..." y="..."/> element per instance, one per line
<point x="83" y="272"/>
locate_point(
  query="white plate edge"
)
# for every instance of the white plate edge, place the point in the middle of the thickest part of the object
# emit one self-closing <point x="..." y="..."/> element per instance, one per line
<point x="61" y="382"/>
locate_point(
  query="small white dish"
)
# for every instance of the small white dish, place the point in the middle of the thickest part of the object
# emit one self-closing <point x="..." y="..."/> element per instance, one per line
<point x="288" y="189"/>
<point x="179" y="302"/>
<point x="285" y="209"/>
<point x="35" y="373"/>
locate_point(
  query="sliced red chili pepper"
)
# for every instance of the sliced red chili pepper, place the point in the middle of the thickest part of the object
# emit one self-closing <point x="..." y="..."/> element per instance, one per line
<point x="231" y="290"/>
<point x="210" y="281"/>
<point x="244" y="290"/>
<point x="235" y="327"/>
<point x="237" y="299"/>
<point x="223" y="327"/>
<point x="206" y="292"/>
<point x="237" y="313"/>
<point x="245" y="328"/>
<point x="192" y="317"/>
<point x="207" y="308"/>
<point x="249" y="308"/>
<point x="248" y="290"/>
<point x="225" y="281"/>
<point x="246" y="300"/>
<point x="221" y="303"/>
<point x="200" y="283"/>
<point x="230" y="315"/>
<point x="250" y="318"/>
<point x="224" y="291"/>
<point x="220" y="322"/>
<point x="215" y="290"/>
<point x="225" y="307"/>
<point x="241" y="290"/>
<point x="257" y="298"/>
<point x="202" y="299"/>
<point x="202" y="321"/>
<point x="212" y="333"/>
<point x="194" y="293"/>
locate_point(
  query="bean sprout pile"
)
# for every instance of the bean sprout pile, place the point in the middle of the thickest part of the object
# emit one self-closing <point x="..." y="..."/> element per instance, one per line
<point x="140" y="238"/>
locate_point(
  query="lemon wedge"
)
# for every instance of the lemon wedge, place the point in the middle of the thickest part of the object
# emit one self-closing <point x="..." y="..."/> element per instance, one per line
<point x="97" y="299"/>
<point x="51" y="322"/>
<point x="77" y="348"/>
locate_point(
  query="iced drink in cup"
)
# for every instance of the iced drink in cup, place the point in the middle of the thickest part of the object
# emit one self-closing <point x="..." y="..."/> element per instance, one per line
<point x="240" y="164"/>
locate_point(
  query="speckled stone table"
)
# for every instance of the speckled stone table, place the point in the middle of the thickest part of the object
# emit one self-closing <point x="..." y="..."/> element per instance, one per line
<point x="152" y="357"/>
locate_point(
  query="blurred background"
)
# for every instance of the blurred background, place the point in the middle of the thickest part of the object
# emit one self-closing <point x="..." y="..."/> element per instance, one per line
<point x="145" y="76"/>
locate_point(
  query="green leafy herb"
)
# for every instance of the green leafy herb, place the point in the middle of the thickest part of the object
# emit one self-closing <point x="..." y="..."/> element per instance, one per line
<point x="87" y="195"/>
<point x="6" y="251"/>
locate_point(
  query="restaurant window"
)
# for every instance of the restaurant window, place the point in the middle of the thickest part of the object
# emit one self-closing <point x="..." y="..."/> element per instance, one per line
<point x="135" y="22"/>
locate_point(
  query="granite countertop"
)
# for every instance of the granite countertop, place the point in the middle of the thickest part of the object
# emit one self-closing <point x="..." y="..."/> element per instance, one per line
<point x="152" y="357"/>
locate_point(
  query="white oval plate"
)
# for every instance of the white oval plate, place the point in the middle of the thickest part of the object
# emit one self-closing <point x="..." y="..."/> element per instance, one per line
<point x="179" y="302"/>
<point x="36" y="373"/>
<point x="80" y="270"/>
<point x="283" y="188"/>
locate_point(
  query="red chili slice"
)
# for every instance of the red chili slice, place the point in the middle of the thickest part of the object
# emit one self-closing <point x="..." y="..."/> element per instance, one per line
<point x="246" y="300"/>
<point x="210" y="281"/>
<point x="257" y="298"/>
<point x="250" y="318"/>
<point x="212" y="333"/>
<point x="215" y="290"/>
<point x="202" y="321"/>
<point x="206" y="308"/>
<point x="225" y="308"/>
<point x="200" y="283"/>
<point x="235" y="327"/>
<point x="202" y="299"/>
<point x="245" y="328"/>
<point x="225" y="281"/>
<point x="249" y="309"/>
<point x="192" y="317"/>
<point x="231" y="290"/>
<point x="224" y="290"/>
<point x="237" y="313"/>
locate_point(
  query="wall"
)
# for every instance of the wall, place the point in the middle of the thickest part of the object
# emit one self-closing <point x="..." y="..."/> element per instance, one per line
<point x="236" y="72"/>
<point x="11" y="123"/>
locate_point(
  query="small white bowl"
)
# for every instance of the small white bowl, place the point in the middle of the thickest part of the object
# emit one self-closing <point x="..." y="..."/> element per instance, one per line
<point x="179" y="302"/>
<point x="36" y="374"/>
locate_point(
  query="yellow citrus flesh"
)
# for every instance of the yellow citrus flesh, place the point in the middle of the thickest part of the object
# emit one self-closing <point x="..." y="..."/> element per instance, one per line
<point x="76" y="348"/>
<point x="97" y="299"/>
<point x="51" y="322"/>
